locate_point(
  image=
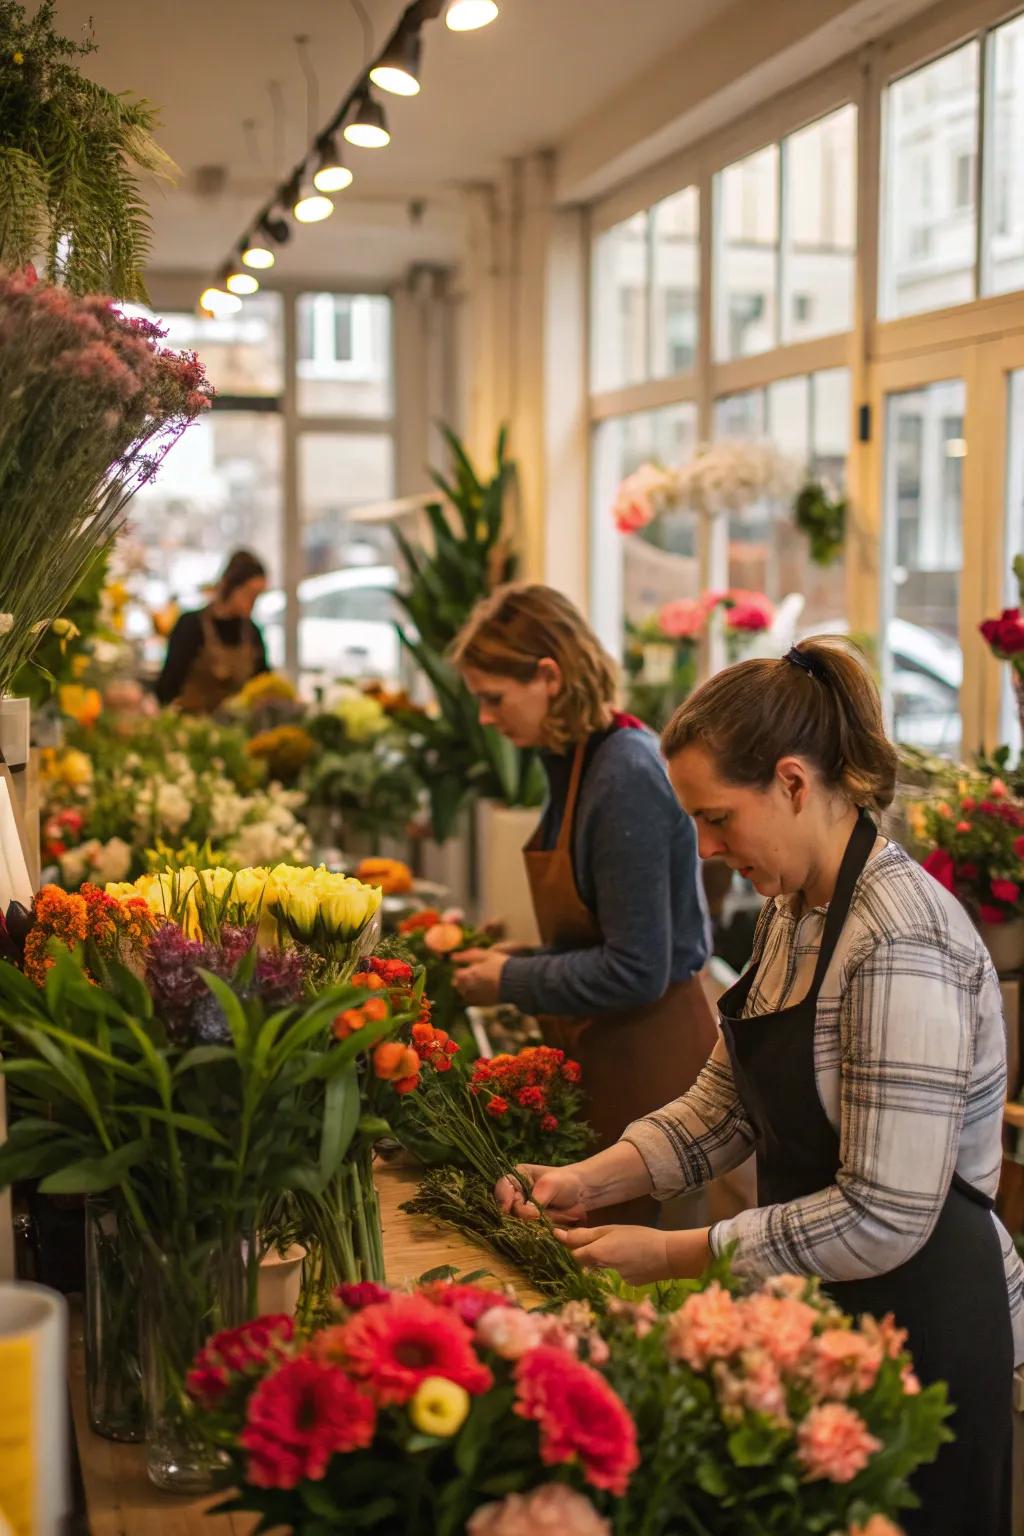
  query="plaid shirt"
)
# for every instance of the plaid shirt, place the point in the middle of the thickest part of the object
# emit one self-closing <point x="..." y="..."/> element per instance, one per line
<point x="910" y="1060"/>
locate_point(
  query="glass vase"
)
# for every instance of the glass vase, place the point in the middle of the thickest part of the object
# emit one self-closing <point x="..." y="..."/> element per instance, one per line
<point x="113" y="1369"/>
<point x="189" y="1291"/>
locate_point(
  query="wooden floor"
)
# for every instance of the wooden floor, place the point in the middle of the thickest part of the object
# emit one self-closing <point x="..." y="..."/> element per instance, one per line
<point x="121" y="1501"/>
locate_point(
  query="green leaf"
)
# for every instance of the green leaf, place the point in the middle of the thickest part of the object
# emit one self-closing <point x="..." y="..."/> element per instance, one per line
<point x="94" y="1174"/>
<point x="204" y="1056"/>
<point x="340" y="1118"/>
<point x="232" y="1006"/>
<point x="190" y="1123"/>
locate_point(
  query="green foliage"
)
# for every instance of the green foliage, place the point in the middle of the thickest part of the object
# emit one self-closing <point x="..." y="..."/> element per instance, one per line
<point x="453" y="754"/>
<point x="822" y="517"/>
<point x="53" y="659"/>
<point x="370" y="784"/>
<point x="70" y="156"/>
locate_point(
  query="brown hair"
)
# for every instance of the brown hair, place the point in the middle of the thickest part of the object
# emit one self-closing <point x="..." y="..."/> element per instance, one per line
<point x="822" y="705"/>
<point x="514" y="629"/>
<point x="241" y="567"/>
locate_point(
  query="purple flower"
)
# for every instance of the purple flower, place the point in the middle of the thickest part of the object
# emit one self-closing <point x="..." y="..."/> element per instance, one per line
<point x="280" y="976"/>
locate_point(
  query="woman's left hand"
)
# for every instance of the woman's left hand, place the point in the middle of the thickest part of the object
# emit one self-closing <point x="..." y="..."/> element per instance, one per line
<point x="640" y="1254"/>
<point x="478" y="978"/>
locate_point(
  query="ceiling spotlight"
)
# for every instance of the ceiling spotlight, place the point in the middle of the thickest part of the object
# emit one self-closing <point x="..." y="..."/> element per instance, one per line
<point x="275" y="228"/>
<point x="256" y="254"/>
<point x="368" y="127"/>
<point x="242" y="283"/>
<point x="398" y="68"/>
<point x="311" y="206"/>
<point x="332" y="174"/>
<point x="469" y="15"/>
<point x="216" y="302"/>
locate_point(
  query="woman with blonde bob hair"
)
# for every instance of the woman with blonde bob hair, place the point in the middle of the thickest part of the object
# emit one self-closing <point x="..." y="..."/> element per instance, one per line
<point x="862" y="1059"/>
<point x="612" y="867"/>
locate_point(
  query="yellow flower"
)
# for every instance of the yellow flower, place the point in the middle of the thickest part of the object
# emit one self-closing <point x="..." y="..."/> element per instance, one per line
<point x="251" y="890"/>
<point x="362" y="717"/>
<point x="84" y="705"/>
<point x="123" y="890"/>
<point x="17" y="57"/>
<point x="216" y="881"/>
<point x="439" y="1406"/>
<point x="300" y="908"/>
<point x="75" y="768"/>
<point x="80" y="664"/>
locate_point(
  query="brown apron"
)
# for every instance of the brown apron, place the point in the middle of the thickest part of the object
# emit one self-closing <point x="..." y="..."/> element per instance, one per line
<point x="634" y="1060"/>
<point x="218" y="671"/>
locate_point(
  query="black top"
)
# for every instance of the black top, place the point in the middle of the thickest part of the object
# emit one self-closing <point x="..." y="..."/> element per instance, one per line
<point x="187" y="641"/>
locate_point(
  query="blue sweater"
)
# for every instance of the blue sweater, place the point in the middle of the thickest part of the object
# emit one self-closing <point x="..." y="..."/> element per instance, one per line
<point x="636" y="866"/>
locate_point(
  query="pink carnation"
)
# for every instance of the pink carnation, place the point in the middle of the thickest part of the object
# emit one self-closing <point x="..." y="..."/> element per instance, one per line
<point x="708" y="1326"/>
<point x="834" y="1443"/>
<point x="780" y="1326"/>
<point x="509" y="1332"/>
<point x="846" y="1363"/>
<point x="682" y="619"/>
<point x="553" y="1509"/>
<point x="757" y="1387"/>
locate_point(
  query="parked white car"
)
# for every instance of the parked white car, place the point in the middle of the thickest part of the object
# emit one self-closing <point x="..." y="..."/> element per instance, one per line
<point x="346" y="623"/>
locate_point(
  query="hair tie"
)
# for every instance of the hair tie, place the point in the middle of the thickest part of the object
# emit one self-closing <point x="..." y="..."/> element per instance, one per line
<point x="809" y="664"/>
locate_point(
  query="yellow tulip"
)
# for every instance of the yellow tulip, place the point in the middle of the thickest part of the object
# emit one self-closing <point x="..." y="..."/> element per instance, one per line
<point x="216" y="881"/>
<point x="439" y="1406"/>
<point x="300" y="908"/>
<point x="251" y="890"/>
<point x="76" y="768"/>
<point x="122" y="890"/>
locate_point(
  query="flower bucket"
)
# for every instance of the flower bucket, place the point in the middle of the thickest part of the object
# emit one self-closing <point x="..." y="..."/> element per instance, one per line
<point x="15" y="719"/>
<point x="1005" y="943"/>
<point x="280" y="1281"/>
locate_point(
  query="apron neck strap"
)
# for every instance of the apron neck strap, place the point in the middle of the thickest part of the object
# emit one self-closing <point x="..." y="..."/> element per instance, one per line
<point x="858" y="851"/>
<point x="575" y="778"/>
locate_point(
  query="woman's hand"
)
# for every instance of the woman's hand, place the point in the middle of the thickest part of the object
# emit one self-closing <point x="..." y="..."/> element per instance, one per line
<point x="478" y="978"/>
<point x="559" y="1192"/>
<point x="640" y="1254"/>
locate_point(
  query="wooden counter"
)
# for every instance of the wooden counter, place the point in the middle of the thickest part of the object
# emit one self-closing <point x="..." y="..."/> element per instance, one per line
<point x="120" y="1499"/>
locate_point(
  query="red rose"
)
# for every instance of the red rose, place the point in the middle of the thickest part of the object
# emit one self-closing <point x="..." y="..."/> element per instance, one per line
<point x="939" y="865"/>
<point x="1005" y="890"/>
<point x="1018" y="847"/>
<point x="967" y="871"/>
<point x="992" y="914"/>
<point x="549" y="1123"/>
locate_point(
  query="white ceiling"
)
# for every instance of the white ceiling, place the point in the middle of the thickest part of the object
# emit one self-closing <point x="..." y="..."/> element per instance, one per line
<point x="518" y="85"/>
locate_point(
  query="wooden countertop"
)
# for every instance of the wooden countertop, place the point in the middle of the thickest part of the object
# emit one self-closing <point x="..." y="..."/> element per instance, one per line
<point x="120" y="1499"/>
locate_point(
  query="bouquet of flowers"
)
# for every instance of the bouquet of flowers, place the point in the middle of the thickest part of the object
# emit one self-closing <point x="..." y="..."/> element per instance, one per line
<point x="93" y="402"/>
<point x="535" y="1102"/>
<point x="976" y="838"/>
<point x="170" y="1066"/>
<point x="720" y="478"/>
<point x="265" y="701"/>
<point x="453" y="1409"/>
<point x="285" y="749"/>
<point x="431" y="937"/>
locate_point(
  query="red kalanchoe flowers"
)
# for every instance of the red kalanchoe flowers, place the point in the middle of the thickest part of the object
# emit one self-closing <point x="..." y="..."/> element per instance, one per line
<point x="497" y="1107"/>
<point x="579" y="1415"/>
<point x="237" y="1352"/>
<point x="361" y="1293"/>
<point x="393" y="973"/>
<point x="298" y="1418"/>
<point x="396" y="1344"/>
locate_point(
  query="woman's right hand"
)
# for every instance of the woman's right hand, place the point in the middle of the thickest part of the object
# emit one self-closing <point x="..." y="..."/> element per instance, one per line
<point x="559" y="1192"/>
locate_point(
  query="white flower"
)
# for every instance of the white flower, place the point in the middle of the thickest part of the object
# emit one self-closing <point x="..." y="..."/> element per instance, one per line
<point x="111" y="861"/>
<point x="173" y="807"/>
<point x="6" y="623"/>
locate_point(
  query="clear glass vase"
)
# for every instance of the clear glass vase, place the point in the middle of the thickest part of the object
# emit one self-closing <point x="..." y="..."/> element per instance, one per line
<point x="113" y="1369"/>
<point x="189" y="1291"/>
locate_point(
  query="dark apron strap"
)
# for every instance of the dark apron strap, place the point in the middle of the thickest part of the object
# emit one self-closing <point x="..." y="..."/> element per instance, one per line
<point x="858" y="851"/>
<point x="975" y="1196"/>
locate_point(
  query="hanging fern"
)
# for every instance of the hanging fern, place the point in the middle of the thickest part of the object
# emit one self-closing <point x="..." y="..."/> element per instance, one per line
<point x="71" y="153"/>
<point x="821" y="516"/>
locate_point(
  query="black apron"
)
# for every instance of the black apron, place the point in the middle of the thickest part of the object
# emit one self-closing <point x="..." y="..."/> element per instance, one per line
<point x="950" y="1296"/>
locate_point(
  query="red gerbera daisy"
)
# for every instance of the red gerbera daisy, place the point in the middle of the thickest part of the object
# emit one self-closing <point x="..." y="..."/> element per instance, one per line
<point x="579" y="1416"/>
<point x="394" y="1345"/>
<point x="301" y="1416"/>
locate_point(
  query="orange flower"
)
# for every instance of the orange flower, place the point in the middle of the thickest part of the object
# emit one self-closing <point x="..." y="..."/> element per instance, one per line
<point x="426" y="919"/>
<point x="393" y="877"/>
<point x="443" y="938"/>
<point x="368" y="981"/>
<point x="347" y="1023"/>
<point x="393" y="1061"/>
<point x="407" y="1084"/>
<point x="375" y="1010"/>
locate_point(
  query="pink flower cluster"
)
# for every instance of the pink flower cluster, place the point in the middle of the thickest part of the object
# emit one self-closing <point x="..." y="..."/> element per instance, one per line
<point x="686" y="618"/>
<point x="775" y="1351"/>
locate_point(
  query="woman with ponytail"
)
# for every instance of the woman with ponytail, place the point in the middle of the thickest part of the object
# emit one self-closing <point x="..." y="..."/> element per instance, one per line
<point x="862" y="1059"/>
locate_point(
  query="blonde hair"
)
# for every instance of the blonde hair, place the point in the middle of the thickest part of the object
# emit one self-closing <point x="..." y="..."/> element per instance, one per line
<point x="510" y="632"/>
<point x="824" y="708"/>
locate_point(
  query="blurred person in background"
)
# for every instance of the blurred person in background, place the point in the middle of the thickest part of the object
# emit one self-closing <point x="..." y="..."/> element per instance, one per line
<point x="214" y="651"/>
